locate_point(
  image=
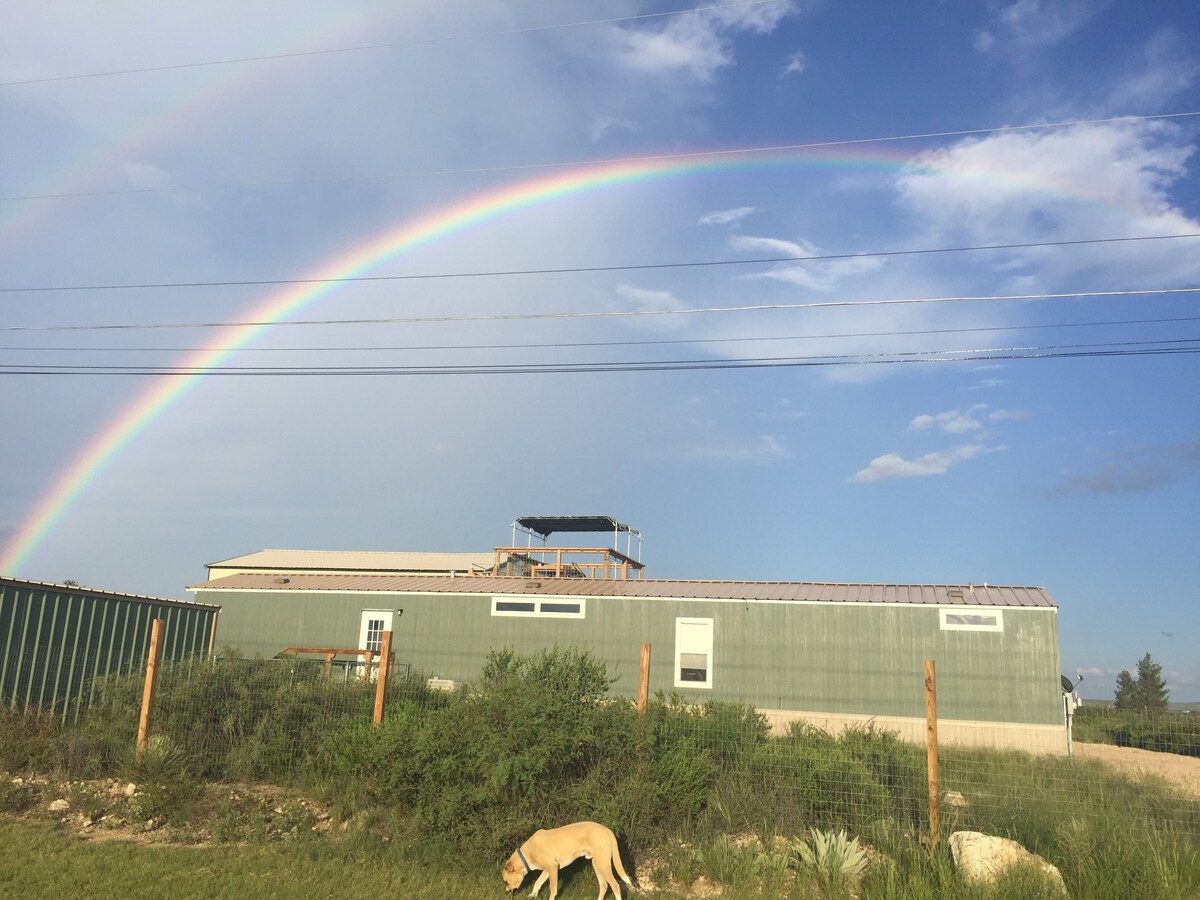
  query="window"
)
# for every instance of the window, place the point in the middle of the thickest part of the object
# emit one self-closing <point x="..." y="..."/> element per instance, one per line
<point x="694" y="653"/>
<point x="543" y="609"/>
<point x="374" y="640"/>
<point x="957" y="619"/>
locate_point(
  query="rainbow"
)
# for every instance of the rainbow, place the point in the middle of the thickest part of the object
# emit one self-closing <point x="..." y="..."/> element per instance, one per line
<point x="489" y="205"/>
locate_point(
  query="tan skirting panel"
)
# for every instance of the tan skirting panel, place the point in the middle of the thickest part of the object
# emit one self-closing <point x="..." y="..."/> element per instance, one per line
<point x="1038" y="739"/>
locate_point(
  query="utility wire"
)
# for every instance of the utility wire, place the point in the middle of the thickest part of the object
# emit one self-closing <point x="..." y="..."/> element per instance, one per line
<point x="574" y="270"/>
<point x="609" y="314"/>
<point x="615" y="161"/>
<point x="574" y="345"/>
<point x="1060" y="351"/>
<point x="390" y="45"/>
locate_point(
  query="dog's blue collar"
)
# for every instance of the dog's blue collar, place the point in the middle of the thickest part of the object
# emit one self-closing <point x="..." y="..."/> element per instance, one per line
<point x="523" y="861"/>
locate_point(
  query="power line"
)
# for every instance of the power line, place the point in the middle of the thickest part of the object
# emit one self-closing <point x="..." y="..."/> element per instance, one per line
<point x="1187" y="346"/>
<point x="575" y="270"/>
<point x="386" y="46"/>
<point x="574" y="345"/>
<point x="609" y="314"/>
<point x="615" y="161"/>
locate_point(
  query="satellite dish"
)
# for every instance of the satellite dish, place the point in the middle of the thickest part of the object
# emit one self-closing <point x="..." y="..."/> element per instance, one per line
<point x="1067" y="684"/>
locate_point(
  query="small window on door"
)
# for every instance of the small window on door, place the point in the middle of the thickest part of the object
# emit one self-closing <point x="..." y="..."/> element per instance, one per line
<point x="694" y="653"/>
<point x="374" y="637"/>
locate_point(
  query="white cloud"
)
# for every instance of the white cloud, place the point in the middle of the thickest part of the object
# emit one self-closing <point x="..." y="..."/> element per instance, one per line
<point x="757" y="451"/>
<point x="817" y="275"/>
<point x="795" y="64"/>
<point x="143" y="176"/>
<point x="602" y="126"/>
<point x="1114" y="179"/>
<point x="648" y="299"/>
<point x="699" y="43"/>
<point x="1030" y="24"/>
<point x="1008" y="415"/>
<point x="727" y="216"/>
<point x="951" y="422"/>
<point x="998" y="180"/>
<point x="1163" y="67"/>
<point x="892" y="465"/>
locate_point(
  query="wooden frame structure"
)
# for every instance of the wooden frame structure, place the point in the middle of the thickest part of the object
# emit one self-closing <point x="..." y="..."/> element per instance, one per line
<point x="566" y="562"/>
<point x="368" y="656"/>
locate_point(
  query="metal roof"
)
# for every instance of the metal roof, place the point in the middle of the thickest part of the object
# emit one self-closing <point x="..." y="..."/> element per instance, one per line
<point x="366" y="560"/>
<point x="800" y="591"/>
<point x="80" y="589"/>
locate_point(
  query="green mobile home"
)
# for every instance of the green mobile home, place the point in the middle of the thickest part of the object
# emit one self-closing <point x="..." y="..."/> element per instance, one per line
<point x="57" y="639"/>
<point x="834" y="654"/>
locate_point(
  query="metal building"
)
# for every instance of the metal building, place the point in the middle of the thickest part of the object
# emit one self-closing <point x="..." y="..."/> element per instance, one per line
<point x="833" y="654"/>
<point x="57" y="639"/>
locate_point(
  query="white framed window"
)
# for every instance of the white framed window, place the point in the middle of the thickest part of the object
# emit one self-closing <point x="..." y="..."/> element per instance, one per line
<point x="693" y="653"/>
<point x="958" y="619"/>
<point x="540" y="609"/>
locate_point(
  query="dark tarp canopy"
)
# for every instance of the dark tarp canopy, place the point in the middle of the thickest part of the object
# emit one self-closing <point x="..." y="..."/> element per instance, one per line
<point x="544" y="526"/>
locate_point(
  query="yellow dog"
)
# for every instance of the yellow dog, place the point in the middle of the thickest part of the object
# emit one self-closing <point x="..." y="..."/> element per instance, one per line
<point x="552" y="848"/>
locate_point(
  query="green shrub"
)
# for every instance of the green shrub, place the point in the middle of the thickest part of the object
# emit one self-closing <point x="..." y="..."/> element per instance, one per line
<point x="27" y="742"/>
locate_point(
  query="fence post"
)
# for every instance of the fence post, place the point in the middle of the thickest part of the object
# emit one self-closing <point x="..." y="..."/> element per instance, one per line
<point x="385" y="664"/>
<point x="156" y="629"/>
<point x="931" y="738"/>
<point x="644" y="680"/>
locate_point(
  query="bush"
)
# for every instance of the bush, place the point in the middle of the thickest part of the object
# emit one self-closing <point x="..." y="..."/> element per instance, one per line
<point x="27" y="742"/>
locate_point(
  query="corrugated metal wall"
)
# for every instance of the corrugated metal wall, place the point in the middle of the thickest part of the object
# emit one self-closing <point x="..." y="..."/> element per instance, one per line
<point x="55" y="640"/>
<point x="838" y="657"/>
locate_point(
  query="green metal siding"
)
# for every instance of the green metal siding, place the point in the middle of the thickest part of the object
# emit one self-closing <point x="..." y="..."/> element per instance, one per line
<point x="56" y="640"/>
<point x="817" y="657"/>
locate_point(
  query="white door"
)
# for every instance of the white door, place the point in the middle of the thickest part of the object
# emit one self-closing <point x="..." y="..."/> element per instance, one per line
<point x="373" y="624"/>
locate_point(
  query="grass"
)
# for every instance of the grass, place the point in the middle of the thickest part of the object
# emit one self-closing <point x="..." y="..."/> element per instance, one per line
<point x="46" y="860"/>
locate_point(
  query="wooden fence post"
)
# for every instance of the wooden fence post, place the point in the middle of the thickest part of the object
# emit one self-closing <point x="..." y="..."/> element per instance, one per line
<point x="644" y="681"/>
<point x="931" y="739"/>
<point x="156" y="629"/>
<point x="385" y="664"/>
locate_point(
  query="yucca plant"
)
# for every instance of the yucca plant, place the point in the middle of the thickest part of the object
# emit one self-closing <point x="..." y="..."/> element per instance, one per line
<point x="159" y="759"/>
<point x="834" y="858"/>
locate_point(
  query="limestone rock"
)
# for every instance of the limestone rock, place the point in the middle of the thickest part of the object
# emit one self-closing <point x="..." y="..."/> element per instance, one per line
<point x="983" y="857"/>
<point x="955" y="799"/>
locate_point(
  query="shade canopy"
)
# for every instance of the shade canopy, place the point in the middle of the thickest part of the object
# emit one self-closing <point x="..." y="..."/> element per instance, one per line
<point x="544" y="526"/>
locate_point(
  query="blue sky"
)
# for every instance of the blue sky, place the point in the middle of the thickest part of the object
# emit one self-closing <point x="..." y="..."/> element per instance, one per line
<point x="1079" y="473"/>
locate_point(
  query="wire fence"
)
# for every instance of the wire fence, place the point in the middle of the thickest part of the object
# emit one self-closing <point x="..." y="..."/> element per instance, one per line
<point x="540" y="739"/>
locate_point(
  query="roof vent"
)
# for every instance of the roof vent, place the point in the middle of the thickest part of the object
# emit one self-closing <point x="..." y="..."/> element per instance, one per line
<point x="954" y="594"/>
<point x="282" y="580"/>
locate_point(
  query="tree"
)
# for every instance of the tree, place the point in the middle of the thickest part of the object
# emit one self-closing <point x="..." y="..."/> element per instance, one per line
<point x="1145" y="693"/>
<point x="1126" y="689"/>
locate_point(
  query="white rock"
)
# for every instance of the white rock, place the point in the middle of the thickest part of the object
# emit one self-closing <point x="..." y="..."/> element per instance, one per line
<point x="59" y="806"/>
<point x="983" y="857"/>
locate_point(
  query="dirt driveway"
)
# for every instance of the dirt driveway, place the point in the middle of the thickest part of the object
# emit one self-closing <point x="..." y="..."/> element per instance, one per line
<point x="1183" y="770"/>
